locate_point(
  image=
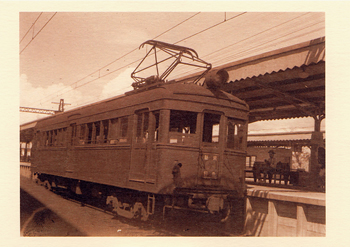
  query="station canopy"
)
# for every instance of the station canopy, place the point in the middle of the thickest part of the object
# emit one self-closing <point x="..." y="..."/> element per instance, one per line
<point x="281" y="139"/>
<point x="285" y="83"/>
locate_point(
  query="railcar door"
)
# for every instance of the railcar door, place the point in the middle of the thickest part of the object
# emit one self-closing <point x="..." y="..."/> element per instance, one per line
<point x="211" y="147"/>
<point x="143" y="153"/>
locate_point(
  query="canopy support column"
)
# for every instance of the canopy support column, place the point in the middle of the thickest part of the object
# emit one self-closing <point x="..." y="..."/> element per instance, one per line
<point x="316" y="142"/>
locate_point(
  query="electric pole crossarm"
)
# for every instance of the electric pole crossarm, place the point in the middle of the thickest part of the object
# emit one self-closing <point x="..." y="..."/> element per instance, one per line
<point x="36" y="110"/>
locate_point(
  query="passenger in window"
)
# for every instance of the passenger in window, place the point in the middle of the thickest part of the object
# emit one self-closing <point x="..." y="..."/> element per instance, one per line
<point x="156" y="133"/>
<point x="145" y="137"/>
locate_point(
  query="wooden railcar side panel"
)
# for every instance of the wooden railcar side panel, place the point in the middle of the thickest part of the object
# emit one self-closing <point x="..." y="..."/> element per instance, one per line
<point x="51" y="161"/>
<point x="101" y="165"/>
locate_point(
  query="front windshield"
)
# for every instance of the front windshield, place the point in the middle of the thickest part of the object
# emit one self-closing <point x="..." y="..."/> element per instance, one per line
<point x="211" y="128"/>
<point x="183" y="122"/>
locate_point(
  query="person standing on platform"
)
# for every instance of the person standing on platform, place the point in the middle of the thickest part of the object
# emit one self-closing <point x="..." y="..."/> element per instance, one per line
<point x="271" y="163"/>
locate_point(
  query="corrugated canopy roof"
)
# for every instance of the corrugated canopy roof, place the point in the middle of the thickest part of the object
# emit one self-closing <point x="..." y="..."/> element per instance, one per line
<point x="291" y="136"/>
<point x="285" y="83"/>
<point x="281" y="139"/>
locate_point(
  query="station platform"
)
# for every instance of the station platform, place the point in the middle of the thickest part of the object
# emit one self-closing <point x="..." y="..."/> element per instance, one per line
<point x="274" y="211"/>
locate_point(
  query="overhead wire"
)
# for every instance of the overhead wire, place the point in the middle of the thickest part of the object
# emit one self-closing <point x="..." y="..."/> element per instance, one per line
<point x="181" y="41"/>
<point x="267" y="42"/>
<point x="30" y="27"/>
<point x="239" y="54"/>
<point x="116" y="61"/>
<point x="38" y="33"/>
<point x="257" y="34"/>
<point x="266" y="30"/>
<point x="174" y="43"/>
<point x="233" y="55"/>
<point x="206" y="29"/>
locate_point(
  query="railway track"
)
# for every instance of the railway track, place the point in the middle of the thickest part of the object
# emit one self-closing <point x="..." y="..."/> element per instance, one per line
<point x="61" y="214"/>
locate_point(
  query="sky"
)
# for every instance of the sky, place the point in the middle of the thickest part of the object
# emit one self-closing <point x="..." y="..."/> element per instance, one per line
<point x="84" y="57"/>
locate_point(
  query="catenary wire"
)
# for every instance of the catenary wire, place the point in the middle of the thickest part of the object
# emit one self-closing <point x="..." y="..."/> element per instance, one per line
<point x="38" y="32"/>
<point x="30" y="27"/>
<point x="266" y="30"/>
<point x="117" y="60"/>
<point x="259" y="46"/>
<point x="267" y="42"/>
<point x="174" y="43"/>
<point x="240" y="40"/>
<point x="206" y="29"/>
<point x="156" y="37"/>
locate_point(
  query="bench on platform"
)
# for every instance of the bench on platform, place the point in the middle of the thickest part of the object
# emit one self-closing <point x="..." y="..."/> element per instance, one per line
<point x="262" y="172"/>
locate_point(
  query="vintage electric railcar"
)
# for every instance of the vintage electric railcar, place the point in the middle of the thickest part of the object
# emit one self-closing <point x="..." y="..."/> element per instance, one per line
<point x="127" y="150"/>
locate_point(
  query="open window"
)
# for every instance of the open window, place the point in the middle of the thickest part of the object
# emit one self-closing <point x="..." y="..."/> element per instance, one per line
<point x="211" y="127"/>
<point x="235" y="133"/>
<point x="89" y="133"/>
<point x="183" y="122"/>
<point x="117" y="131"/>
<point x="156" y="115"/>
<point x="142" y="134"/>
<point x="124" y="123"/>
<point x="182" y="127"/>
<point x="104" y="131"/>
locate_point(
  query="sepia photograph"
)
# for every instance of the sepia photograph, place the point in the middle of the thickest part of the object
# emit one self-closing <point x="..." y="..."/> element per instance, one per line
<point x="172" y="123"/>
<point x="193" y="123"/>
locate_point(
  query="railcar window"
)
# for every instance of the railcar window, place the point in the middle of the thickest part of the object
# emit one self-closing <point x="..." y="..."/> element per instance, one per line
<point x="63" y="136"/>
<point x="142" y="127"/>
<point x="43" y="139"/>
<point x="113" y="133"/>
<point x="97" y="132"/>
<point x="156" y="130"/>
<point x="124" y="122"/>
<point x="139" y="125"/>
<point x="46" y="138"/>
<point x="183" y="122"/>
<point x="211" y="127"/>
<point x="49" y="138"/>
<point x="82" y="134"/>
<point x="105" y="128"/>
<point x="54" y="137"/>
<point x="58" y="137"/>
<point x="182" y="127"/>
<point x="74" y="134"/>
<point x="89" y="133"/>
<point x="235" y="133"/>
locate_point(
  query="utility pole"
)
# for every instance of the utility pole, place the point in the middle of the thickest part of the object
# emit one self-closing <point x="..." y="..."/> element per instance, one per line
<point x="61" y="105"/>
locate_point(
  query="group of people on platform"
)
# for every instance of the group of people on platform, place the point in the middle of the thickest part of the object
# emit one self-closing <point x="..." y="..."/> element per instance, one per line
<point x="269" y="168"/>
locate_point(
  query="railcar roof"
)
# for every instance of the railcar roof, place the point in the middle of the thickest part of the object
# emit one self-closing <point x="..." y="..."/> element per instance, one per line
<point x="163" y="91"/>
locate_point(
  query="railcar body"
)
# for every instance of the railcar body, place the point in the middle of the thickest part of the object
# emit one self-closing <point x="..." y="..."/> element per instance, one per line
<point x="167" y="144"/>
<point x="124" y="149"/>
